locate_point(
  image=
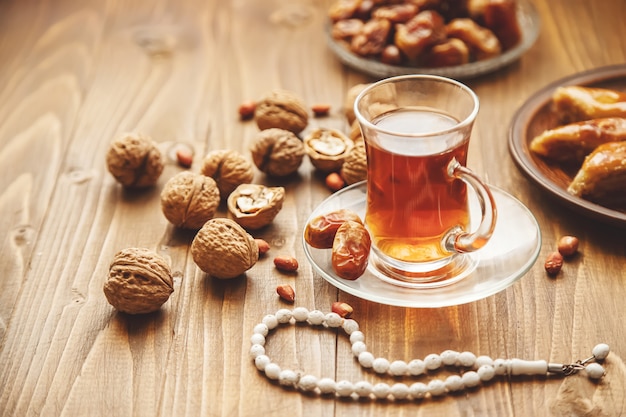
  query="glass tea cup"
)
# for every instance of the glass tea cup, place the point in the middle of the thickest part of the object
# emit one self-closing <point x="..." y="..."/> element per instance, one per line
<point x="417" y="131"/>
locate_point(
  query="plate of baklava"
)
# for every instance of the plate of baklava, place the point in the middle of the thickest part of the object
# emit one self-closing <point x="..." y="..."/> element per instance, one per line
<point x="570" y="139"/>
<point x="457" y="39"/>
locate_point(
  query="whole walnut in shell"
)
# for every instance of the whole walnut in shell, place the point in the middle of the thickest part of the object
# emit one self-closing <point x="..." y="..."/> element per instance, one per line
<point x="254" y="206"/>
<point x="134" y="160"/>
<point x="327" y="148"/>
<point x="139" y="281"/>
<point x="282" y="109"/>
<point x="354" y="168"/>
<point x="223" y="249"/>
<point x="277" y="152"/>
<point x="188" y="199"/>
<point x="348" y="104"/>
<point x="228" y="168"/>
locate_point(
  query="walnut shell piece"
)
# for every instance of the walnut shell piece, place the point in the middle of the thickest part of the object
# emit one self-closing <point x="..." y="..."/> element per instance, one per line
<point x="254" y="206"/>
<point x="327" y="148"/>
<point x="282" y="109"/>
<point x="223" y="249"/>
<point x="188" y="200"/>
<point x="228" y="168"/>
<point x="134" y="160"/>
<point x="277" y="152"/>
<point x="354" y="168"/>
<point x="139" y="281"/>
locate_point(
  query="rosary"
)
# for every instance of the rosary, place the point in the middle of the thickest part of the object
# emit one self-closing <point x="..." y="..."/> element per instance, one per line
<point x="475" y="370"/>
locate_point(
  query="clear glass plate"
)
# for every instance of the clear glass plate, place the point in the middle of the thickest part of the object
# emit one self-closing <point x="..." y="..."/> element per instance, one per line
<point x="529" y="22"/>
<point x="508" y="255"/>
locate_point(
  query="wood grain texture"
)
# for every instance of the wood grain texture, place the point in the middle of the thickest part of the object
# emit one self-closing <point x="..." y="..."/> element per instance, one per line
<point x="73" y="74"/>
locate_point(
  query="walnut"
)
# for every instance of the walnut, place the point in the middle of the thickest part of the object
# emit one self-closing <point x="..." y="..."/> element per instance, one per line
<point x="282" y="109"/>
<point x="327" y="148"/>
<point x="277" y="152"/>
<point x="228" y="168"/>
<point x="348" y="104"/>
<point x="139" y="281"/>
<point x="354" y="168"/>
<point x="188" y="199"/>
<point x="223" y="249"/>
<point x="254" y="206"/>
<point x="134" y="160"/>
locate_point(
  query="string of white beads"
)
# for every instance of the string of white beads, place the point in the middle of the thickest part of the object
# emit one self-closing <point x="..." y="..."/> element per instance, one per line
<point x="474" y="370"/>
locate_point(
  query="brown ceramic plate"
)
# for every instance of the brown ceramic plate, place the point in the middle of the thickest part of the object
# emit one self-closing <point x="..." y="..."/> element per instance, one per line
<point x="537" y="115"/>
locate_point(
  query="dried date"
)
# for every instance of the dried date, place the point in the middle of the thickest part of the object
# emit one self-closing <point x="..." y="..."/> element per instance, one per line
<point x="351" y="249"/>
<point x="482" y="42"/>
<point x="425" y="29"/>
<point x="320" y="231"/>
<point x="372" y="38"/>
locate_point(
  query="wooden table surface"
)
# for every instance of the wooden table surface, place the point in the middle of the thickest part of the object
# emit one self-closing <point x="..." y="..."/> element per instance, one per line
<point x="73" y="74"/>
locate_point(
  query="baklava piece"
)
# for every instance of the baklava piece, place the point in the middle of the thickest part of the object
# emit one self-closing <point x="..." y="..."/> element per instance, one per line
<point x="574" y="141"/>
<point x="602" y="177"/>
<point x="576" y="103"/>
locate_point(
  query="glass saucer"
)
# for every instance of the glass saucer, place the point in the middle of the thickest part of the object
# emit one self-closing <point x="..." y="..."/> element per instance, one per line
<point x="509" y="254"/>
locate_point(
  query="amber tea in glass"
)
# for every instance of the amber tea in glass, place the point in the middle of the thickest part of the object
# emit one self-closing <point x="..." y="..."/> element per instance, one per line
<point x="417" y="131"/>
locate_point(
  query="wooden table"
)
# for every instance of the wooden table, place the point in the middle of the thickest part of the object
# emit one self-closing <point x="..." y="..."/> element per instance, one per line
<point x="74" y="74"/>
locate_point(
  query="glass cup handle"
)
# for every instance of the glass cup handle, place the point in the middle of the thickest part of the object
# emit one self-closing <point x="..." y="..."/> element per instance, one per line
<point x="462" y="241"/>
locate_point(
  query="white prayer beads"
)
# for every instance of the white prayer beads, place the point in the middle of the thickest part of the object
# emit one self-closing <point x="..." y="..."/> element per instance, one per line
<point x="474" y="370"/>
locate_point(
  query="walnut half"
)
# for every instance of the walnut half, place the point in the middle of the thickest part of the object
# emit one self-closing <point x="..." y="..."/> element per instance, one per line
<point x="254" y="206"/>
<point x="327" y="148"/>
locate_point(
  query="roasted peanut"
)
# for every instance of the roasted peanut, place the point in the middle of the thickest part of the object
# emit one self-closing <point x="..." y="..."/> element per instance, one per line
<point x="334" y="182"/>
<point x="184" y="157"/>
<point x="343" y="309"/>
<point x="568" y="245"/>
<point x="351" y="249"/>
<point x="320" y="231"/>
<point x="554" y="263"/>
<point x="246" y="110"/>
<point x="286" y="263"/>
<point x="286" y="292"/>
<point x="320" y="109"/>
<point x="264" y="247"/>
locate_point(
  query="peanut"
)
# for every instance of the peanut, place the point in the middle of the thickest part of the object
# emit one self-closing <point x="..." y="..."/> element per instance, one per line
<point x="184" y="157"/>
<point x="286" y="263"/>
<point x="320" y="109"/>
<point x="343" y="309"/>
<point x="568" y="245"/>
<point x="246" y="110"/>
<point x="554" y="263"/>
<point x="286" y="292"/>
<point x="334" y="182"/>
<point x="264" y="247"/>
